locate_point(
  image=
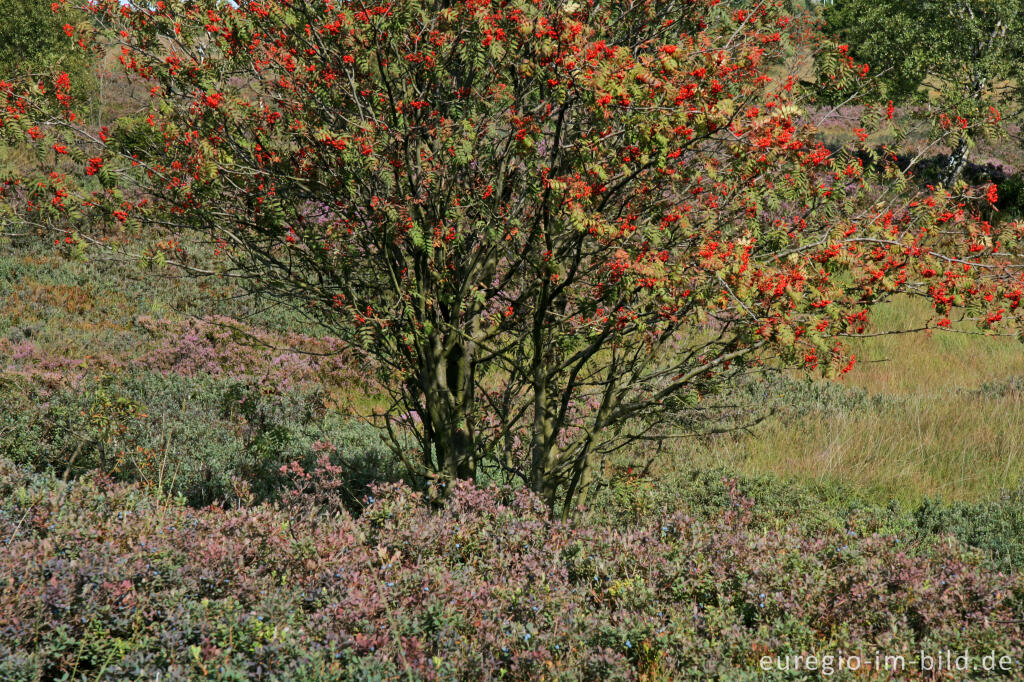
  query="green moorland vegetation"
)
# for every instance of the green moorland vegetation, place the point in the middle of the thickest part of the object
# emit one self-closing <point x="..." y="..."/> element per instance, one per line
<point x="195" y="482"/>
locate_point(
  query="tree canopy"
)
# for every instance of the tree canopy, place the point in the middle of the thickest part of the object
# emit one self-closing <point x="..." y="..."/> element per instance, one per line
<point x="965" y="58"/>
<point x="34" y="38"/>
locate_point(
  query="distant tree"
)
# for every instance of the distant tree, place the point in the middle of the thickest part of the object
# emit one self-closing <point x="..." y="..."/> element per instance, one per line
<point x="37" y="37"/>
<point x="963" y="57"/>
<point x="556" y="228"/>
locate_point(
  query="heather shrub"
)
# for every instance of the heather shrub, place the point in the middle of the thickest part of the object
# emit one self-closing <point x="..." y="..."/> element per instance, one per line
<point x="89" y="306"/>
<point x="105" y="581"/>
<point x="707" y="492"/>
<point x="202" y="437"/>
<point x="220" y="346"/>
<point x="996" y="526"/>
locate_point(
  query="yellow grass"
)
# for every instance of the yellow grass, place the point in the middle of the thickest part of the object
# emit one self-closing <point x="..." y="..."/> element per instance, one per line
<point x="937" y="435"/>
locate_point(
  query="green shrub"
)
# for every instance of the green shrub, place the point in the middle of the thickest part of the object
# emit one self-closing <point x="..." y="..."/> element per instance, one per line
<point x="996" y="527"/>
<point x="204" y="438"/>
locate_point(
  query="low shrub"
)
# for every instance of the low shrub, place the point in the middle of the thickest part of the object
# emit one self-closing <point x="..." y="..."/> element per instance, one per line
<point x="202" y="437"/>
<point x="1011" y="386"/>
<point x="996" y="526"/>
<point x="100" y="580"/>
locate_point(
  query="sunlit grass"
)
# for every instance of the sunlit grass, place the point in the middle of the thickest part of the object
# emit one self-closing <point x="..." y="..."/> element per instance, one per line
<point x="936" y="433"/>
<point x="931" y="362"/>
<point x="965" y="448"/>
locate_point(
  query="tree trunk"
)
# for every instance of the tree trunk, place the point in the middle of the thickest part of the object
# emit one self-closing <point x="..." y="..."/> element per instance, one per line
<point x="955" y="164"/>
<point x="544" y="448"/>
<point x="544" y="451"/>
<point x="580" y="487"/>
<point x="446" y="384"/>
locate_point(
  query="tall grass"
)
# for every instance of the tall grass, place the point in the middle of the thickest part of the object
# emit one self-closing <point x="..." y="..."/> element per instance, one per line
<point x="947" y="419"/>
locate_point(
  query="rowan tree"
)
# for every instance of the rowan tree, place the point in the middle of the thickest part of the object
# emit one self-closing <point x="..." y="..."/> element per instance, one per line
<point x="554" y="227"/>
